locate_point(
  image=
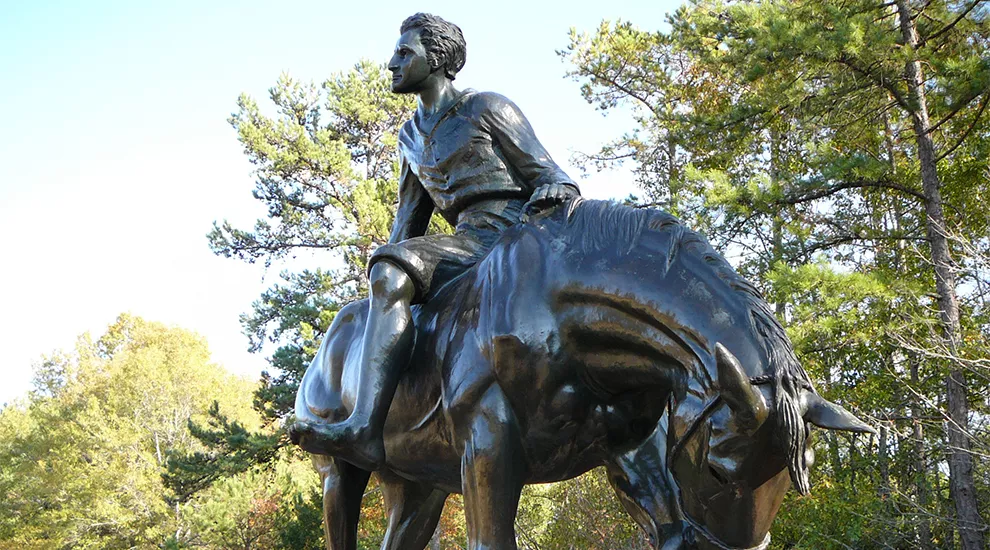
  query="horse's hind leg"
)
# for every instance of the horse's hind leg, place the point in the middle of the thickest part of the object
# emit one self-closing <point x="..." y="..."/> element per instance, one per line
<point x="343" y="489"/>
<point x="493" y="471"/>
<point x="413" y="513"/>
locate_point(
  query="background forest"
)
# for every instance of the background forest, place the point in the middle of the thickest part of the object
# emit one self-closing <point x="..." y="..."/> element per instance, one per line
<point x="836" y="151"/>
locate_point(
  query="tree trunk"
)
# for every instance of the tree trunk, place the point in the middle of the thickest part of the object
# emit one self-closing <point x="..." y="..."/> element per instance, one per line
<point x="920" y="465"/>
<point x="884" y="468"/>
<point x="673" y="185"/>
<point x="960" y="457"/>
<point x="780" y="305"/>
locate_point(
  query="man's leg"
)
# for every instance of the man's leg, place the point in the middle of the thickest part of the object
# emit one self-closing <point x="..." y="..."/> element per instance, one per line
<point x="388" y="339"/>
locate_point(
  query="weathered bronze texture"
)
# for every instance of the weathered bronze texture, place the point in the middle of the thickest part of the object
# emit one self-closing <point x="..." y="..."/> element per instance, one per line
<point x="518" y="352"/>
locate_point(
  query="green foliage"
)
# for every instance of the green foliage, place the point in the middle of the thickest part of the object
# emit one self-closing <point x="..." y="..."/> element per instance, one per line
<point x="301" y="524"/>
<point x="81" y="459"/>
<point x="93" y="458"/>
<point x="275" y="507"/>
<point x="231" y="449"/>
<point x="579" y="513"/>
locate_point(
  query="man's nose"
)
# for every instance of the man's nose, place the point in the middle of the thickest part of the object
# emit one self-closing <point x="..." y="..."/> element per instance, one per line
<point x="393" y="64"/>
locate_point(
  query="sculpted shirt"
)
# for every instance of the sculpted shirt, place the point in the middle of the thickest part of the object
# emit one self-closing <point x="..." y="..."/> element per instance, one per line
<point x="477" y="166"/>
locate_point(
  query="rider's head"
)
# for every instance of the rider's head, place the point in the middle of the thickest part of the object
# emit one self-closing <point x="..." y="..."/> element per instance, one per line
<point x="443" y="40"/>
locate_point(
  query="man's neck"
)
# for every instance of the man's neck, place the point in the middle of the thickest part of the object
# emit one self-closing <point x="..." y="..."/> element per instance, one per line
<point x="435" y="99"/>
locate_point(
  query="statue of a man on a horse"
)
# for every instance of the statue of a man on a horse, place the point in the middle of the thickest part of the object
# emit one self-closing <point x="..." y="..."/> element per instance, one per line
<point x="519" y="352"/>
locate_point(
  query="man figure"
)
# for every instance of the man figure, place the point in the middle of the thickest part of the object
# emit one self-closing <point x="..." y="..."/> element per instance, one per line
<point x="474" y="158"/>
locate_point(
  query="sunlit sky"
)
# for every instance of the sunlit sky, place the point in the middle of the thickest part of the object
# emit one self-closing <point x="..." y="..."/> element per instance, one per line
<point x="116" y="156"/>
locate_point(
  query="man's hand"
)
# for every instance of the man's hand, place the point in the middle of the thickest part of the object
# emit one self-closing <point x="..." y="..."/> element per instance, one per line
<point x="549" y="195"/>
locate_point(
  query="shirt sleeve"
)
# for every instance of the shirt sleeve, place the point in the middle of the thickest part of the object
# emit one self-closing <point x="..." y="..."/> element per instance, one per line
<point x="514" y="135"/>
<point x="415" y="206"/>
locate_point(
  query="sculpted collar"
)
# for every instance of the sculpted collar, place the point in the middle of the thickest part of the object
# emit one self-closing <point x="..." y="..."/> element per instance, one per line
<point x="439" y="117"/>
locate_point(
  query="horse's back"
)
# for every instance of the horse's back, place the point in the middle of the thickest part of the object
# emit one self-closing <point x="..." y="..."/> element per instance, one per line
<point x="642" y="281"/>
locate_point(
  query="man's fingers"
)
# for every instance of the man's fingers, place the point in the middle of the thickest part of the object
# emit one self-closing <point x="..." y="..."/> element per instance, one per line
<point x="547" y="195"/>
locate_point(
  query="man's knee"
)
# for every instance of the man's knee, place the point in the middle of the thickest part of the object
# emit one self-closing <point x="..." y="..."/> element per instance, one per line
<point x="390" y="282"/>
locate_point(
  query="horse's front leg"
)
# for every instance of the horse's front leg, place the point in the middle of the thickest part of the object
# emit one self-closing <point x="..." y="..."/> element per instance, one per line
<point x="642" y="483"/>
<point x="493" y="470"/>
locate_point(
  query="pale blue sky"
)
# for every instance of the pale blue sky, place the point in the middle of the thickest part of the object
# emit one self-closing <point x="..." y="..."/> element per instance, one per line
<point x="116" y="157"/>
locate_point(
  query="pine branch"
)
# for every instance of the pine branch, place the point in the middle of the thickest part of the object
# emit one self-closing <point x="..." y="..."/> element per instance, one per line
<point x="969" y="129"/>
<point x="950" y="25"/>
<point x="860" y="184"/>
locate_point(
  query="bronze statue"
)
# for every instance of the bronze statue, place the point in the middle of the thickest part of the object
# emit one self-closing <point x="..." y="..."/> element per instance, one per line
<point x="526" y="352"/>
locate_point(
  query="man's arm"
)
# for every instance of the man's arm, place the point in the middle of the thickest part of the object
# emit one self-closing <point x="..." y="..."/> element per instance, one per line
<point x="415" y="206"/>
<point x="514" y="135"/>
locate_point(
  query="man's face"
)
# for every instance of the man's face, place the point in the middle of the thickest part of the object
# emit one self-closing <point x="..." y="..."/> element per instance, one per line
<point x="409" y="65"/>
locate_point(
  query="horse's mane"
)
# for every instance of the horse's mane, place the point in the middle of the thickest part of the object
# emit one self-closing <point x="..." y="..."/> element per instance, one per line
<point x="603" y="226"/>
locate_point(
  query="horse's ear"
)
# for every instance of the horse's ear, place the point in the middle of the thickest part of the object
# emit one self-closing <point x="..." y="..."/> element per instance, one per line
<point x="744" y="399"/>
<point x="828" y="415"/>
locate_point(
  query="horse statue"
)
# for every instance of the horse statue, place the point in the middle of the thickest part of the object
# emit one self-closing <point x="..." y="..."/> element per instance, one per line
<point x="593" y="334"/>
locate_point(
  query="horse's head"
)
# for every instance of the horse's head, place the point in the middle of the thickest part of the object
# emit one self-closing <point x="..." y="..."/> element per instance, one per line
<point x="734" y="449"/>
